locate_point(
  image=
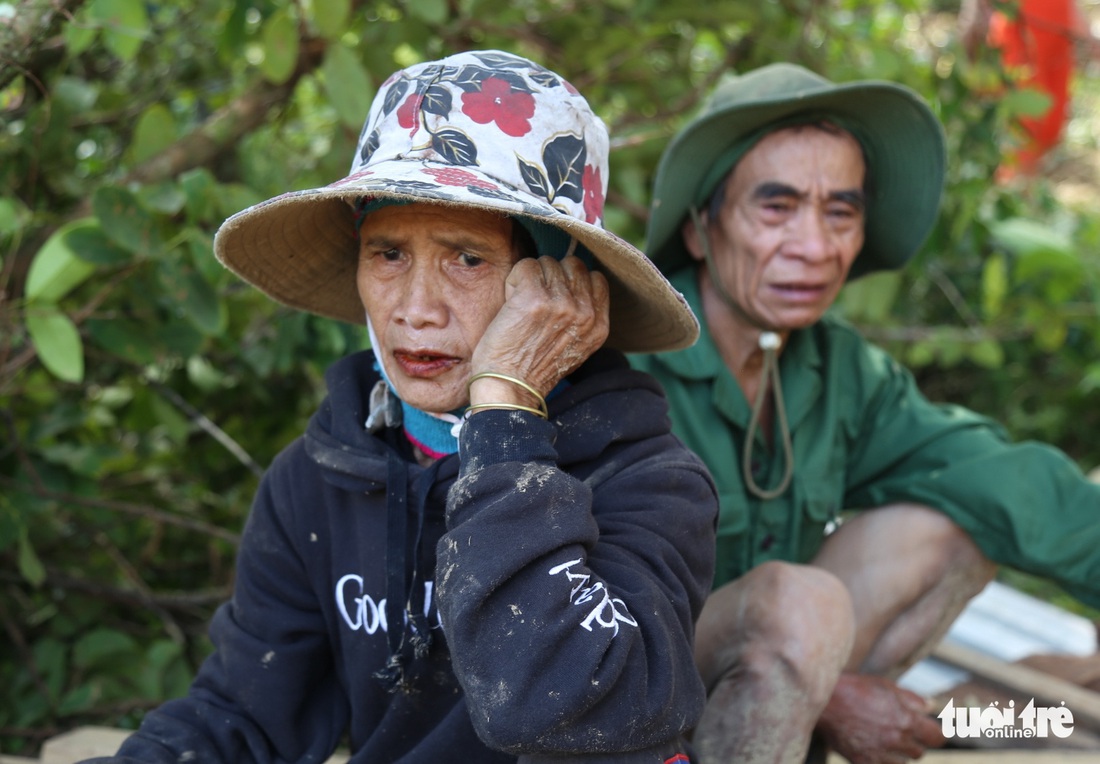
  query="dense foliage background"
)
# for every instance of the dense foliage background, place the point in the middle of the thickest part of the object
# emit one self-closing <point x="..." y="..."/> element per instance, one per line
<point x="143" y="389"/>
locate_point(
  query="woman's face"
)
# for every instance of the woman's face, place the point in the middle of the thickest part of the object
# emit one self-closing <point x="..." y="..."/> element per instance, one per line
<point x="431" y="279"/>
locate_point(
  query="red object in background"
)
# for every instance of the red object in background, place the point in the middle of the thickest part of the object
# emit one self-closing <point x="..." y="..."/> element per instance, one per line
<point x="1039" y="44"/>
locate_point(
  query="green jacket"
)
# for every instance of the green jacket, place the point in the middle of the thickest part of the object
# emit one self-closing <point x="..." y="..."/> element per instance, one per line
<point x="865" y="436"/>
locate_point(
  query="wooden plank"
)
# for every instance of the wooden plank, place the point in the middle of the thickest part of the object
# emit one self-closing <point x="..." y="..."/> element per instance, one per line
<point x="82" y="743"/>
<point x="1047" y="690"/>
<point x="999" y="757"/>
<point x="88" y="742"/>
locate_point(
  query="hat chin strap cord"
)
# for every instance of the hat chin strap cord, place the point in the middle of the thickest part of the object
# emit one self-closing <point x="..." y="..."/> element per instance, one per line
<point x="769" y="343"/>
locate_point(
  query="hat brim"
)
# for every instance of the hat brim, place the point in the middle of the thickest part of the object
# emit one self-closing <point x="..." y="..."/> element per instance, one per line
<point x="300" y="249"/>
<point x="902" y="141"/>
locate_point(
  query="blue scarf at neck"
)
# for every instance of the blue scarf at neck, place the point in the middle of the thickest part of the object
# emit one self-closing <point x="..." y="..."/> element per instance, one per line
<point x="434" y="434"/>
<point x="431" y="433"/>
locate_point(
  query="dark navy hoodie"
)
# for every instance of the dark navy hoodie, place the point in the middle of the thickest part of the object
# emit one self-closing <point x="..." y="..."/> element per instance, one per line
<point x="532" y="596"/>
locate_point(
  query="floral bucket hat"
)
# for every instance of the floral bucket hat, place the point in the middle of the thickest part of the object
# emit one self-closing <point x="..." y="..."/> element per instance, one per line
<point x="482" y="129"/>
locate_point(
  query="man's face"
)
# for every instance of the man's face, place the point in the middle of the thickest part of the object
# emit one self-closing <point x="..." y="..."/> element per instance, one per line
<point x="431" y="279"/>
<point x="790" y="226"/>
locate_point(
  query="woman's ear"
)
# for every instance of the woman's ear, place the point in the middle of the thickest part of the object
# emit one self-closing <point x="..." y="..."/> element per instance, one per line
<point x="690" y="233"/>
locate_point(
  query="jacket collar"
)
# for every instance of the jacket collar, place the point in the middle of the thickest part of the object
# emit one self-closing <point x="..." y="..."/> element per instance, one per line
<point x="799" y="366"/>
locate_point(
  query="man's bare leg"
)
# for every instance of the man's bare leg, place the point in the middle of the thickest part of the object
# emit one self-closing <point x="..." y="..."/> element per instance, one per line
<point x="910" y="572"/>
<point x="770" y="646"/>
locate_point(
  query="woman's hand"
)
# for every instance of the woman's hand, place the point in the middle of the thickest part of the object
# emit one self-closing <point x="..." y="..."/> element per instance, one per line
<point x="555" y="315"/>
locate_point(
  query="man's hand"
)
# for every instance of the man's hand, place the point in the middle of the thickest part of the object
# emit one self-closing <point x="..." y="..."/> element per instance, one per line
<point x="870" y="720"/>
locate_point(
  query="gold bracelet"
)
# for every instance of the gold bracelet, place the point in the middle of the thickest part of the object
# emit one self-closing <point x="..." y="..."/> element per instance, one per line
<point x="545" y="411"/>
<point x="514" y="406"/>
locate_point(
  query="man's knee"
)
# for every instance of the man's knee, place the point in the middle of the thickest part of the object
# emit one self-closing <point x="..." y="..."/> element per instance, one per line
<point x="911" y="548"/>
<point x="779" y="621"/>
<point x="950" y="554"/>
<point x="910" y="571"/>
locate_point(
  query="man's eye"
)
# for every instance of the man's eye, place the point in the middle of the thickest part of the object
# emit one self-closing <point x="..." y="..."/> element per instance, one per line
<point x="469" y="260"/>
<point x="390" y="254"/>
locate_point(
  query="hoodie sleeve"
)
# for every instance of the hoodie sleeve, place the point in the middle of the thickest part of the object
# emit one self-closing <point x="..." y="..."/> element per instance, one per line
<point x="569" y="603"/>
<point x="268" y="693"/>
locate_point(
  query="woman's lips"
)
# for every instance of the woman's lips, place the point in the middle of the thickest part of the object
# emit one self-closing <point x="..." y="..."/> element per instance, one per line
<point x="424" y="363"/>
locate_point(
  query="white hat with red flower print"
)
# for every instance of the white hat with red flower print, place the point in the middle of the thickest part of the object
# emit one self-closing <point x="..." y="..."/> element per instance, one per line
<point x="483" y="129"/>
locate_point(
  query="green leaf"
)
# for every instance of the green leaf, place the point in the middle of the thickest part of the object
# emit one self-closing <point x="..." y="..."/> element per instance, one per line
<point x="30" y="567"/>
<point x="57" y="342"/>
<point x="428" y="11"/>
<point x="1051" y="332"/>
<point x="331" y="17"/>
<point x="77" y="700"/>
<point x="201" y="248"/>
<point x="56" y="270"/>
<point x="280" y="43"/>
<point x="870" y="298"/>
<point x="204" y="375"/>
<point x="78" y="36"/>
<point x="87" y="240"/>
<point x="1028" y="237"/>
<point x="160" y="659"/>
<point x="201" y="303"/>
<point x="164" y="197"/>
<point x="987" y="353"/>
<point x="348" y="85"/>
<point x="51" y="660"/>
<point x="101" y="646"/>
<point x="921" y="353"/>
<point x="234" y="197"/>
<point x="198" y="188"/>
<point x="178" y="339"/>
<point x="125" y="339"/>
<point x="176" y="426"/>
<point x="951" y="351"/>
<point x="154" y="132"/>
<point x="1090" y="382"/>
<point x="14" y="215"/>
<point x="124" y="23"/>
<point x="994" y="285"/>
<point x="75" y="93"/>
<point x="89" y="460"/>
<point x="1026" y="102"/>
<point x="1039" y="251"/>
<point x="125" y="221"/>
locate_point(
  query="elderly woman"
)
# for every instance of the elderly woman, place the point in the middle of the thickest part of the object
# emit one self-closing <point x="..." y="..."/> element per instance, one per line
<point x="487" y="544"/>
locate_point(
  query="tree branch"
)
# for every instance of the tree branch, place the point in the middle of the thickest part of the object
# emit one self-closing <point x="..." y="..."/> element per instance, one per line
<point x="29" y="32"/>
<point x="138" y="510"/>
<point x="168" y="600"/>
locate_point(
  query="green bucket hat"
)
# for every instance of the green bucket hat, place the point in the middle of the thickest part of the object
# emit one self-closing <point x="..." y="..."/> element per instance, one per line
<point x="902" y="142"/>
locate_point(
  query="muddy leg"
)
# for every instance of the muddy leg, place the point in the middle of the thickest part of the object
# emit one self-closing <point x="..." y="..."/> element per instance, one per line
<point x="770" y="646"/>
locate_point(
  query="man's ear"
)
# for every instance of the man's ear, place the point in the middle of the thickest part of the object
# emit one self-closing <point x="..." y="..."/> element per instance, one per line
<point x="690" y="234"/>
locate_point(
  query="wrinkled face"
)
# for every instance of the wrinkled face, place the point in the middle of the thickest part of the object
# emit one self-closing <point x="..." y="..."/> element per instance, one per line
<point x="431" y="279"/>
<point x="790" y="226"/>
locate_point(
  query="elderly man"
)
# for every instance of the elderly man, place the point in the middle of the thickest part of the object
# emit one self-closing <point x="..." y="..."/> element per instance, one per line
<point x="783" y="188"/>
